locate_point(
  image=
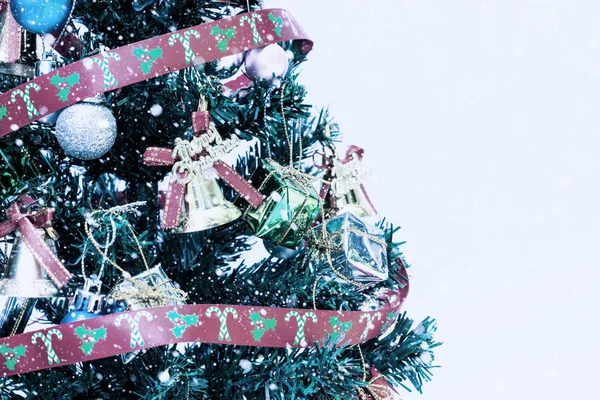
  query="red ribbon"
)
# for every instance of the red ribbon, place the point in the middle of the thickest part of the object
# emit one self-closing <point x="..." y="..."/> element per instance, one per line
<point x="27" y="224"/>
<point x="125" y="67"/>
<point x="241" y="325"/>
<point x="327" y="164"/>
<point x="160" y="156"/>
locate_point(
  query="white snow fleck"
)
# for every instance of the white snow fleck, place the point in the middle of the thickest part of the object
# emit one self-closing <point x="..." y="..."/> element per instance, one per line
<point x="164" y="376"/>
<point x="246" y="366"/>
<point x="156" y="110"/>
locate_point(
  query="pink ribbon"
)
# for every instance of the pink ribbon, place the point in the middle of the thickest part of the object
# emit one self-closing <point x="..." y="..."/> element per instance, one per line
<point x="162" y="157"/>
<point x="327" y="164"/>
<point x="27" y="224"/>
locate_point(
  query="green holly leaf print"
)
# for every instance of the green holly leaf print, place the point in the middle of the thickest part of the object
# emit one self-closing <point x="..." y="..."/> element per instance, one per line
<point x="181" y="322"/>
<point x="89" y="337"/>
<point x="12" y="355"/>
<point x="277" y="23"/>
<point x="178" y="330"/>
<point x="255" y="317"/>
<point x="147" y="57"/>
<point x="223" y="36"/>
<point x="270" y="324"/>
<point x="3" y="113"/>
<point x="338" y="327"/>
<point x="262" y="325"/>
<point x="258" y="334"/>
<point x="64" y="85"/>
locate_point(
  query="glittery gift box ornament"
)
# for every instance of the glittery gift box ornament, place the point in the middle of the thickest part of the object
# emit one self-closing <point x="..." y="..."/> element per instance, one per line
<point x="358" y="251"/>
<point x="151" y="288"/>
<point x="290" y="206"/>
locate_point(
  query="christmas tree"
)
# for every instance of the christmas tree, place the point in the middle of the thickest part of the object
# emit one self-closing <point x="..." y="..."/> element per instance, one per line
<point x="150" y="150"/>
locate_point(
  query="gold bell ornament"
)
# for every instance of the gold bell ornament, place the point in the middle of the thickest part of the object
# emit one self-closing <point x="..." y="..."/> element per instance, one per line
<point x="194" y="201"/>
<point x="29" y="274"/>
<point x="204" y="206"/>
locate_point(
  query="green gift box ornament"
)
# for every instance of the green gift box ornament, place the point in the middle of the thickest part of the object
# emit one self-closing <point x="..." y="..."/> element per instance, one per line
<point x="289" y="206"/>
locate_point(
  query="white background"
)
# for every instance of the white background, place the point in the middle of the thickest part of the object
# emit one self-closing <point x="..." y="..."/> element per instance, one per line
<point x="481" y="120"/>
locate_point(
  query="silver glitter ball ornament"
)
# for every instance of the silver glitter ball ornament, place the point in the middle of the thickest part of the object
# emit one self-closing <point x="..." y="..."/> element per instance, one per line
<point x="268" y="63"/>
<point x="86" y="130"/>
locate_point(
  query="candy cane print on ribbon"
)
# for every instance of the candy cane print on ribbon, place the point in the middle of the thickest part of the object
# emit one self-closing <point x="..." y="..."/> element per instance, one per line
<point x="300" y="337"/>
<point x="109" y="79"/>
<point x="47" y="340"/>
<point x="223" y="331"/>
<point x="134" y="323"/>
<point x="370" y="319"/>
<point x="185" y="41"/>
<point x="252" y="22"/>
<point x="31" y="110"/>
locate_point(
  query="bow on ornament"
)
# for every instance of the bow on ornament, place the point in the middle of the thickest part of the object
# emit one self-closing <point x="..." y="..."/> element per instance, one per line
<point x="27" y="225"/>
<point x="378" y="388"/>
<point x="195" y="157"/>
<point x="346" y="174"/>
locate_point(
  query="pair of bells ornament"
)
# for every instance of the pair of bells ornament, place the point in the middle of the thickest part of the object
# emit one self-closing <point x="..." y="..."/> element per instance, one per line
<point x="346" y="192"/>
<point x="194" y="201"/>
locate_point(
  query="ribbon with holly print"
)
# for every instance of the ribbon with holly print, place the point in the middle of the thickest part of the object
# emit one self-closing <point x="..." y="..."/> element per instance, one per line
<point x="114" y="334"/>
<point x="147" y="59"/>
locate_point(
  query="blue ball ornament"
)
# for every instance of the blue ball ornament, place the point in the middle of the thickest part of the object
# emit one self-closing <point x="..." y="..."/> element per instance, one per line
<point x="41" y="16"/>
<point x="78" y="315"/>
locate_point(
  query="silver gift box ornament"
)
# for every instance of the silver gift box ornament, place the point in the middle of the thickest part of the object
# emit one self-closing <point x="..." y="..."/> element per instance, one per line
<point x="154" y="278"/>
<point x="360" y="252"/>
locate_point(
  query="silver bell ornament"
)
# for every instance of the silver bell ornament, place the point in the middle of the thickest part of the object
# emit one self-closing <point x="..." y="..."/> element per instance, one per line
<point x="86" y="130"/>
<point x="269" y="64"/>
<point x="24" y="282"/>
<point x="47" y="64"/>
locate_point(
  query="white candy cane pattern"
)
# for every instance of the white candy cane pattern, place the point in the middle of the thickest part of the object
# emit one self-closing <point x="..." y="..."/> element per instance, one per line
<point x="134" y="322"/>
<point x="252" y="22"/>
<point x="31" y="110"/>
<point x="300" y="337"/>
<point x="370" y="318"/>
<point x="47" y="340"/>
<point x="190" y="57"/>
<point x="223" y="331"/>
<point x="109" y="79"/>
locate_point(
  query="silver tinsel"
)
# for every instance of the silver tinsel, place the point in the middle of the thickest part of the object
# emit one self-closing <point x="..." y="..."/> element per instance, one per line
<point x="86" y="130"/>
